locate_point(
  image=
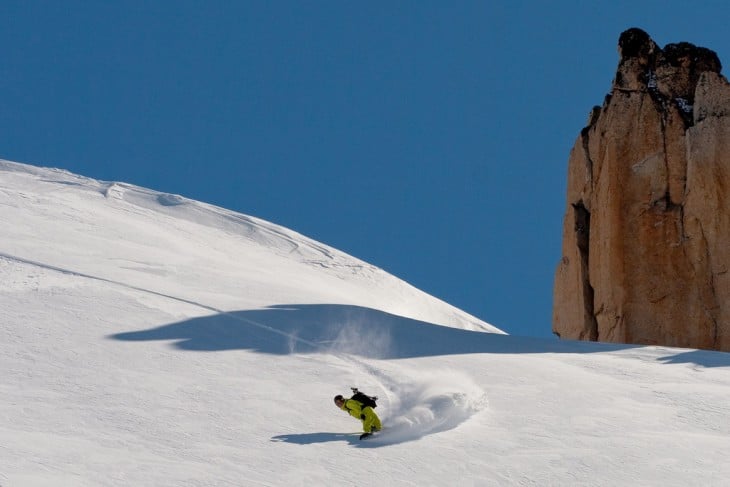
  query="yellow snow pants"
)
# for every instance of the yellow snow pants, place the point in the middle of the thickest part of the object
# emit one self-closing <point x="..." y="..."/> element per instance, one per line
<point x="371" y="421"/>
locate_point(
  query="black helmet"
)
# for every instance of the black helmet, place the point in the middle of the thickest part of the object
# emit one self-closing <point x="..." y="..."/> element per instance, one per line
<point x="339" y="398"/>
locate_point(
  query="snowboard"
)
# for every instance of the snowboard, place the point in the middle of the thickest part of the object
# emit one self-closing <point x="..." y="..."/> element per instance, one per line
<point x="367" y="436"/>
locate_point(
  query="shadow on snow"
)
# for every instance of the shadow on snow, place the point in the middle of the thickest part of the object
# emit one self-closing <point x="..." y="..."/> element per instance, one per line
<point x="350" y="438"/>
<point x="334" y="328"/>
<point x="311" y="438"/>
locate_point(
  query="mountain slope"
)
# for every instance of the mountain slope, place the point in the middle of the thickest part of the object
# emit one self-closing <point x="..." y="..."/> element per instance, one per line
<point x="148" y="339"/>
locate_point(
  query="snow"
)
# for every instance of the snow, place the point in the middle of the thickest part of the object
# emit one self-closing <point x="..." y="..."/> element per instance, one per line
<point x="148" y="339"/>
<point x="684" y="105"/>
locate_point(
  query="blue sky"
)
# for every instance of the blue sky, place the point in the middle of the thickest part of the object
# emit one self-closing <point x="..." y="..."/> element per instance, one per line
<point x="428" y="138"/>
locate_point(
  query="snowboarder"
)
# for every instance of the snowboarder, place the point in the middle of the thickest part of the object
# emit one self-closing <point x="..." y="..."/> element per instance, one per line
<point x="361" y="407"/>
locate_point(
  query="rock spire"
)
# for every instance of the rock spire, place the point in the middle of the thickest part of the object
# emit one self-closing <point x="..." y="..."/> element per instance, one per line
<point x="646" y="233"/>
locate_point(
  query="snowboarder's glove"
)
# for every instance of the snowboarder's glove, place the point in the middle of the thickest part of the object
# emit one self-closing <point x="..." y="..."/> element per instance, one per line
<point x="362" y="416"/>
<point x="365" y="435"/>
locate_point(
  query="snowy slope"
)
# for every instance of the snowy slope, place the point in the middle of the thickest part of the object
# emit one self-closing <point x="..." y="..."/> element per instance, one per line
<point x="147" y="339"/>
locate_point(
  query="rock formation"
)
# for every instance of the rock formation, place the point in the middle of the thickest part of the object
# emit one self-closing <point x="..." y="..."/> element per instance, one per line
<point x="646" y="234"/>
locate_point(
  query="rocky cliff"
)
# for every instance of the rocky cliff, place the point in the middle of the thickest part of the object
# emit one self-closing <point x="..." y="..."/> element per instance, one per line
<point x="646" y="233"/>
